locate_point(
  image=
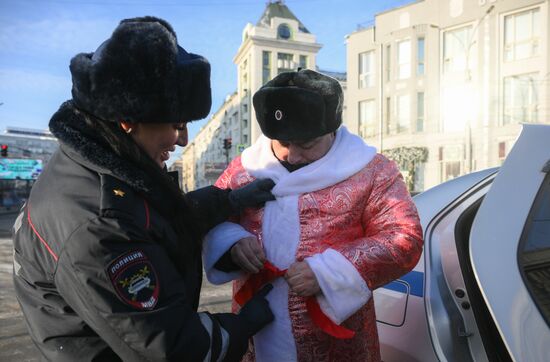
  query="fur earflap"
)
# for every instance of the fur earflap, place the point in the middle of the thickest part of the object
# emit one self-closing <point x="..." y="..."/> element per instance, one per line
<point x="299" y="106"/>
<point x="141" y="74"/>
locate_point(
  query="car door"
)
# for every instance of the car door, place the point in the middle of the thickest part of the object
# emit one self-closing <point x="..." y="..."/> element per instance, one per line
<point x="510" y="247"/>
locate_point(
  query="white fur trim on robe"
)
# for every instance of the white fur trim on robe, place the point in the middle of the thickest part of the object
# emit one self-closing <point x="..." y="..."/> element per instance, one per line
<point x="344" y="290"/>
<point x="281" y="227"/>
<point x="216" y="243"/>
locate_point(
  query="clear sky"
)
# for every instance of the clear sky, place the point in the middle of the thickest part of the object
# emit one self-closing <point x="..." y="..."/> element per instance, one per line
<point x="39" y="37"/>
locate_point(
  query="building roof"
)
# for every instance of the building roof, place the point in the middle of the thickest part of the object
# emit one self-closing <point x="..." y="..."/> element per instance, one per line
<point x="13" y="133"/>
<point x="339" y="76"/>
<point x="277" y="9"/>
<point x="20" y="131"/>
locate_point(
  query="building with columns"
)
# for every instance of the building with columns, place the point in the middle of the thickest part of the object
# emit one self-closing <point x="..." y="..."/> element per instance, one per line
<point x="278" y="43"/>
<point x="455" y="78"/>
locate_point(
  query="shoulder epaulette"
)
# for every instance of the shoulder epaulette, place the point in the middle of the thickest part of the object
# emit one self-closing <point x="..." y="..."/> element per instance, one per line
<point x="119" y="199"/>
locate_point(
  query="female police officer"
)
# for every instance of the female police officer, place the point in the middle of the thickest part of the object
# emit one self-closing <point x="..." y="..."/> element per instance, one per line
<point x="107" y="249"/>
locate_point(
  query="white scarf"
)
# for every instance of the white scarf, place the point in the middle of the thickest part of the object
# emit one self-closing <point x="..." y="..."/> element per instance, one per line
<point x="280" y="225"/>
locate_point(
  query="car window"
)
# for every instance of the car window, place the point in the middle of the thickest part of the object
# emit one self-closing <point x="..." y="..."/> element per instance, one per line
<point x="534" y="251"/>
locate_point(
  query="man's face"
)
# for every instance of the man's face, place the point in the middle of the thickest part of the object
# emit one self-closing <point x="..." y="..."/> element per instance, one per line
<point x="302" y="152"/>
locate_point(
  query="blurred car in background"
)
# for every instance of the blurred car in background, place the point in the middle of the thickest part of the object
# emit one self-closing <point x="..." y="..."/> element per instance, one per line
<point x="481" y="291"/>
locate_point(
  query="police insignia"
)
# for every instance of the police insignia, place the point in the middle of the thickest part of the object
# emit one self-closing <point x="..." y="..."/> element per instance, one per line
<point x="135" y="280"/>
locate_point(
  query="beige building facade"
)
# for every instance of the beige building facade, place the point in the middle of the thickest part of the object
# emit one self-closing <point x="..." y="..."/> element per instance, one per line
<point x="205" y="158"/>
<point x="279" y="42"/>
<point x="187" y="167"/>
<point x="456" y="77"/>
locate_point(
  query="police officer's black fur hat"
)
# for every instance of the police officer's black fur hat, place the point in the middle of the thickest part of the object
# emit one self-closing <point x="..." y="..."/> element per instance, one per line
<point x="141" y="74"/>
<point x="299" y="106"/>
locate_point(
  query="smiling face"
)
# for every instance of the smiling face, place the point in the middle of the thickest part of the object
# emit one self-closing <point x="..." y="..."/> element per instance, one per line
<point x="302" y="152"/>
<point x="158" y="139"/>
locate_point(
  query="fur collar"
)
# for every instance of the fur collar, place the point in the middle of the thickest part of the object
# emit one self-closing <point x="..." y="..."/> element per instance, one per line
<point x="81" y="141"/>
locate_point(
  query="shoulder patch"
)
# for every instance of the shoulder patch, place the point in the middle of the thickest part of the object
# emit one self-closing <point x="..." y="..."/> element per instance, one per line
<point x="135" y="280"/>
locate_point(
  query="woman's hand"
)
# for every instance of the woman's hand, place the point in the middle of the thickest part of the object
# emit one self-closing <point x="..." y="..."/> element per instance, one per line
<point x="255" y="194"/>
<point x="302" y="280"/>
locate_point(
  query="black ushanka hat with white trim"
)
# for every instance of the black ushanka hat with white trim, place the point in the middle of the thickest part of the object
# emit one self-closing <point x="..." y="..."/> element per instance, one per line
<point x="299" y="106"/>
<point x="141" y="74"/>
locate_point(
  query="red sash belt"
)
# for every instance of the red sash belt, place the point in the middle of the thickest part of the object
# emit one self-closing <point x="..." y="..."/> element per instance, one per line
<point x="269" y="273"/>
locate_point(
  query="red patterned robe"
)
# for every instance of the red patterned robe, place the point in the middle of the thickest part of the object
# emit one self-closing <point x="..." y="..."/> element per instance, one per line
<point x="370" y="220"/>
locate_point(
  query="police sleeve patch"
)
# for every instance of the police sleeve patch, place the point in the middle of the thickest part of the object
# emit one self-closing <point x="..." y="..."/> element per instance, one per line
<point x="135" y="280"/>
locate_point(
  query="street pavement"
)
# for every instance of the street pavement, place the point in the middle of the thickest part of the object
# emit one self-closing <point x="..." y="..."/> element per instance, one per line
<point x="15" y="343"/>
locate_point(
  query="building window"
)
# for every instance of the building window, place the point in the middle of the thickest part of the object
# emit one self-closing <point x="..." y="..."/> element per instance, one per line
<point x="450" y="158"/>
<point x="245" y="108"/>
<point x="367" y="118"/>
<point x="521" y="35"/>
<point x="285" y="63"/>
<point x="245" y="139"/>
<point x="388" y="62"/>
<point x="303" y="61"/>
<point x="403" y="113"/>
<point x="366" y="69"/>
<point x="520" y="99"/>
<point x="244" y="76"/>
<point x="389" y="118"/>
<point x="420" y="112"/>
<point x="501" y="152"/>
<point x="456" y="48"/>
<point x="404" y="59"/>
<point x="245" y="124"/>
<point x="266" y="67"/>
<point x="420" y="56"/>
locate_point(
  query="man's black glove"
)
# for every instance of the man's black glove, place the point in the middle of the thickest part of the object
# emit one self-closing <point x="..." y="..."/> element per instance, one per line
<point x="255" y="194"/>
<point x="253" y="316"/>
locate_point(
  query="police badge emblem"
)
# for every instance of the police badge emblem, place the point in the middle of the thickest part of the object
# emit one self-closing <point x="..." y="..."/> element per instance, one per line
<point x="135" y="280"/>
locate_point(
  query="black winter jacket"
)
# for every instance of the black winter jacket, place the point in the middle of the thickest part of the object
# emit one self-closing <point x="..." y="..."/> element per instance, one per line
<point x="99" y="272"/>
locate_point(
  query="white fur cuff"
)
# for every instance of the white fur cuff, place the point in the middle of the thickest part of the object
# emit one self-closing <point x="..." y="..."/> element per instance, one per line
<point x="219" y="240"/>
<point x="344" y="290"/>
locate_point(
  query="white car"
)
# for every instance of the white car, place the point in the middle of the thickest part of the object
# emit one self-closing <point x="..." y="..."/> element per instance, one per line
<point x="481" y="291"/>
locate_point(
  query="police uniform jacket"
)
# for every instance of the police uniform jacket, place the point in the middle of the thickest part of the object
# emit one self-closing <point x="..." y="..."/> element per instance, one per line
<point x="100" y="270"/>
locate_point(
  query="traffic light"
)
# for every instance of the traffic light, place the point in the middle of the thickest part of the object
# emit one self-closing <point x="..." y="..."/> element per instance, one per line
<point x="226" y="143"/>
<point x="4" y="150"/>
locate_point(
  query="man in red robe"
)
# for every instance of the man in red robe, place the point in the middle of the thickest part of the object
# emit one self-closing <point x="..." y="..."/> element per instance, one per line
<point x="342" y="225"/>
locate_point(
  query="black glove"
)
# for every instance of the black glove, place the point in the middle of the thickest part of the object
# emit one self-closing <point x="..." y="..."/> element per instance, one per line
<point x="254" y="315"/>
<point x="257" y="311"/>
<point x="255" y="194"/>
<point x="209" y="206"/>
